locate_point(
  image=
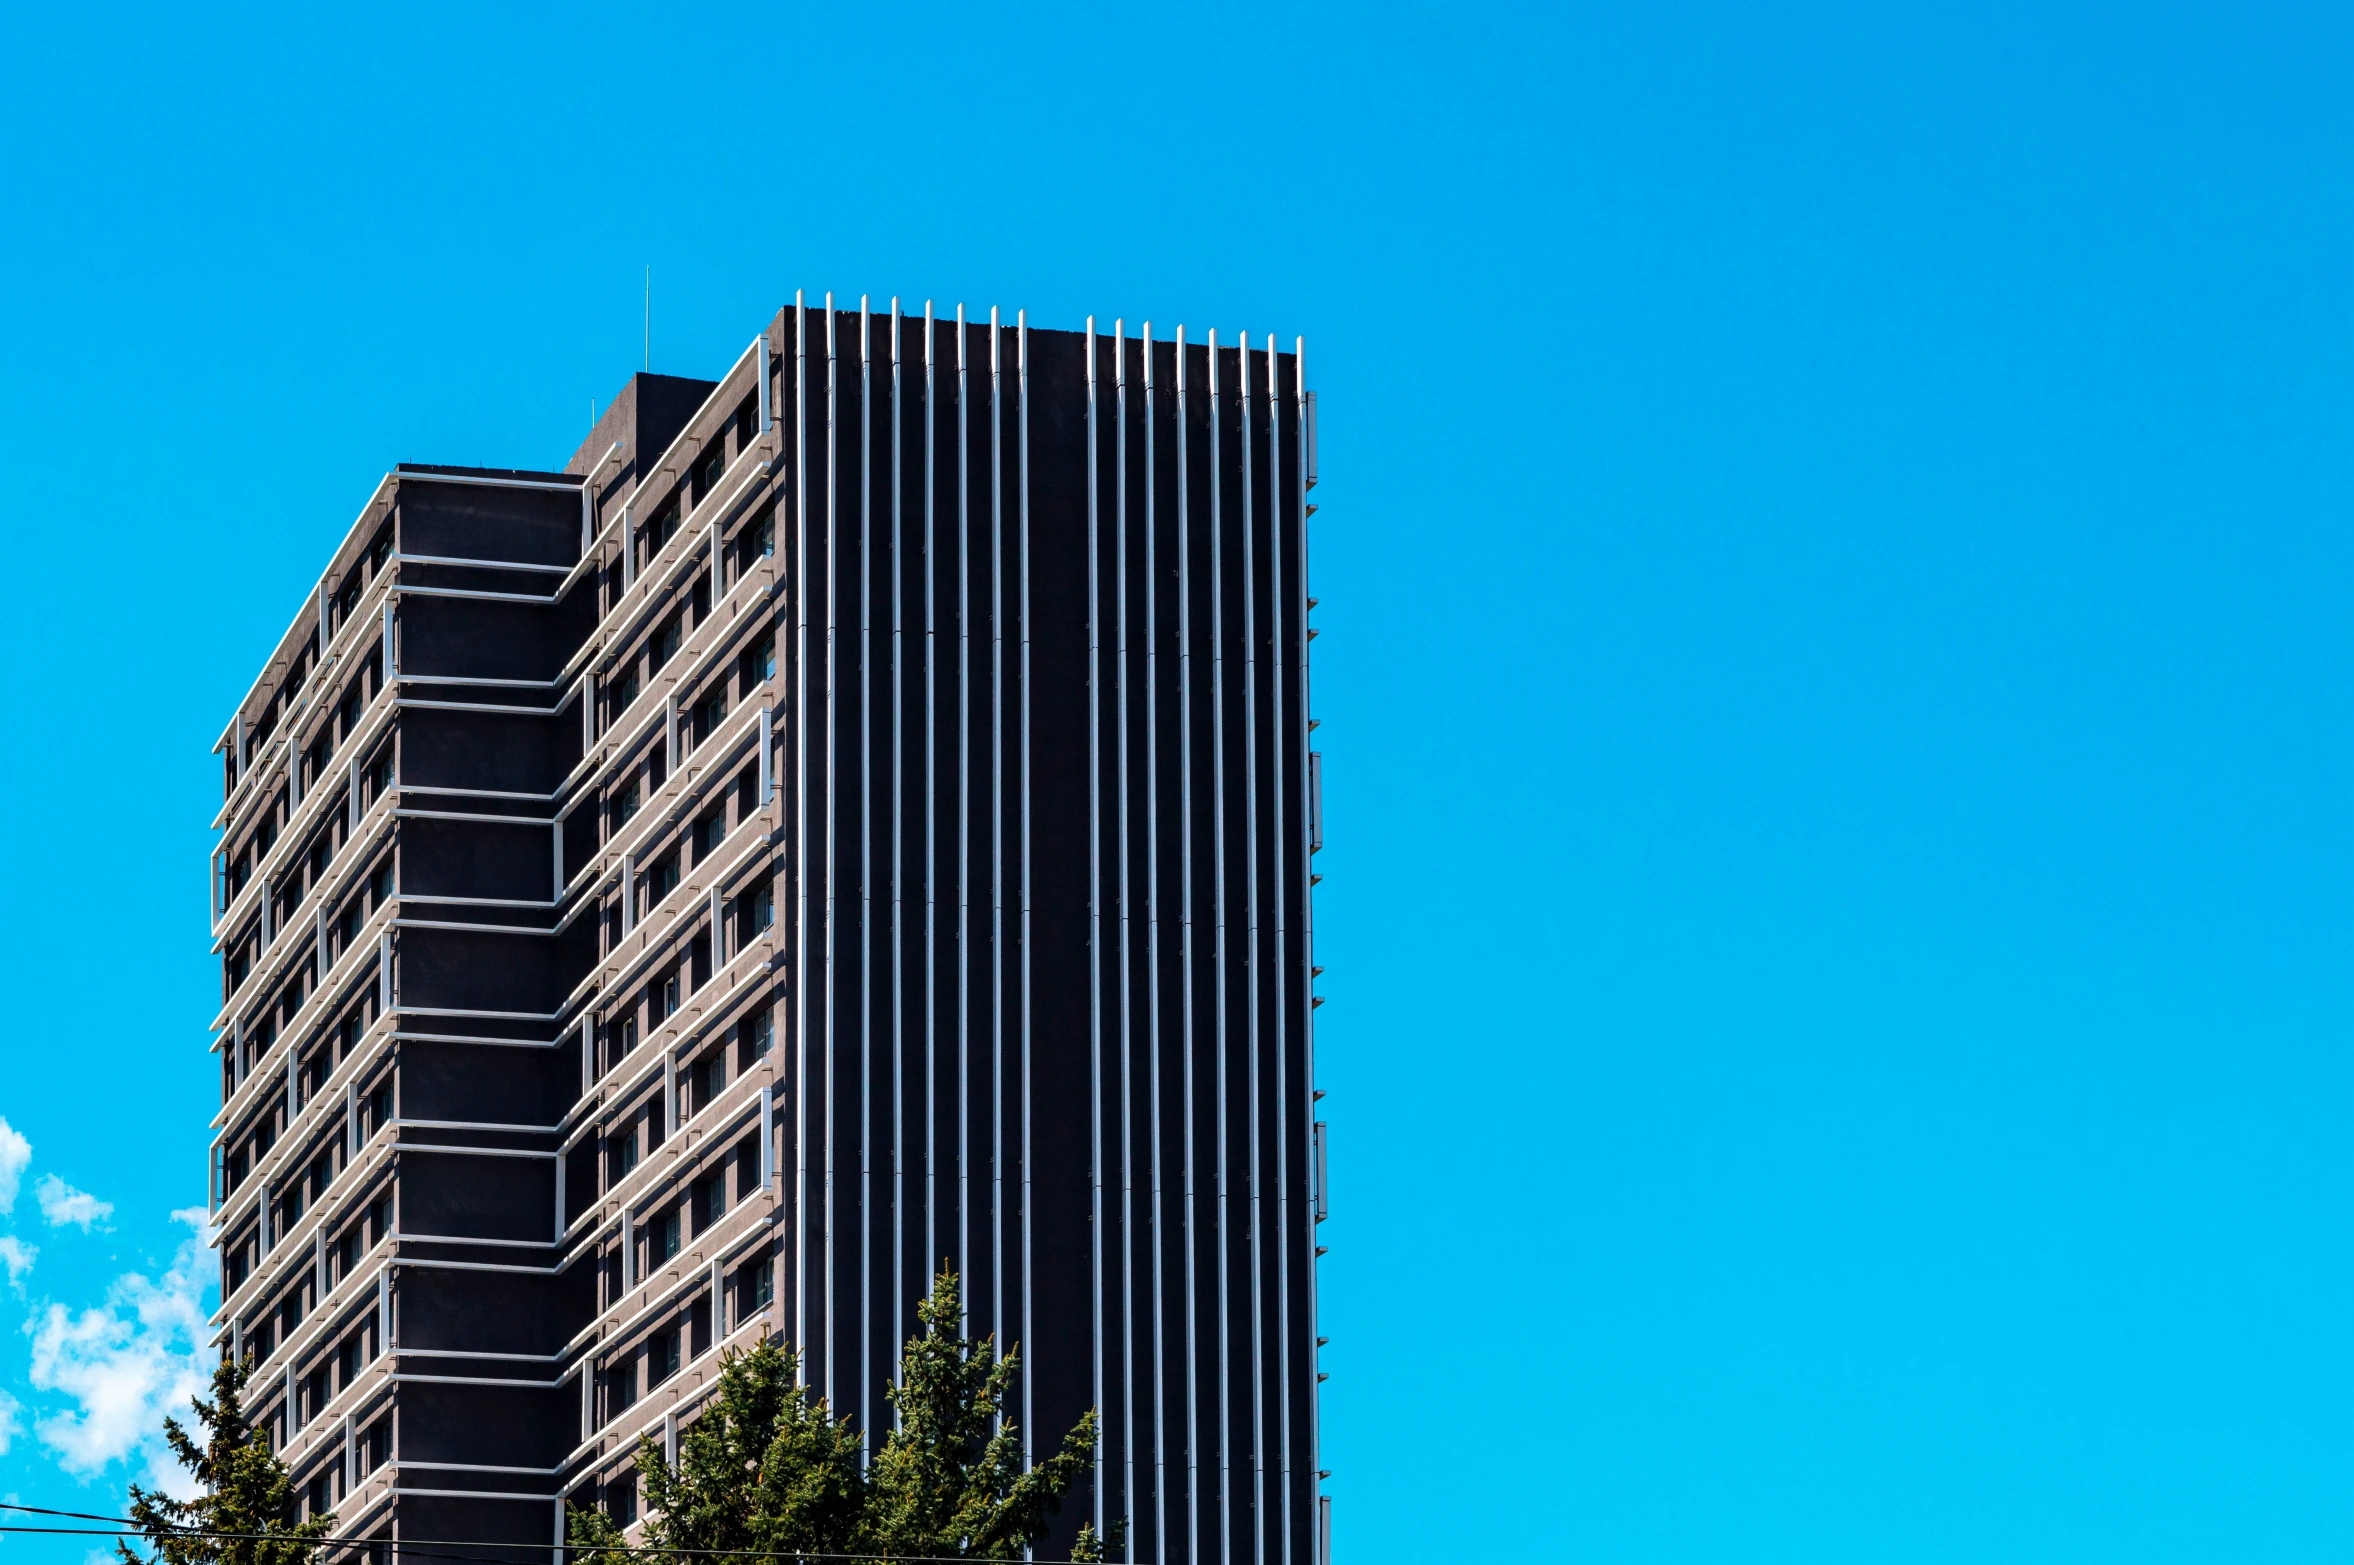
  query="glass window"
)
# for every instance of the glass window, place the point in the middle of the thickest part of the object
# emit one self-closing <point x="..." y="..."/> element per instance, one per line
<point x="711" y="711"/>
<point x="754" y="1038"/>
<point x="658" y="532"/>
<point x="710" y="832"/>
<point x="757" y="664"/>
<point x="755" y="1289"/>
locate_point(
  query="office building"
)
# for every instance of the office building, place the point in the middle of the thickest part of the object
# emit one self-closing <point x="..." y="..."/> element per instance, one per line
<point x="855" y="817"/>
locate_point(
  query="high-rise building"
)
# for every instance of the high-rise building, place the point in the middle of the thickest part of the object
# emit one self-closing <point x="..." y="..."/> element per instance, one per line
<point x="856" y="818"/>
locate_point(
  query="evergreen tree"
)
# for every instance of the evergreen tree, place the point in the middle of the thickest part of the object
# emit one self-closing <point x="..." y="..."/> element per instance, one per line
<point x="763" y="1467"/>
<point x="949" y="1480"/>
<point x="767" y="1467"/>
<point x="245" y="1510"/>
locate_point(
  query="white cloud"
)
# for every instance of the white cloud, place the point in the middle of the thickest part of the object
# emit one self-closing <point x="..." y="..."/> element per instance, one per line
<point x="15" y="1153"/>
<point x="9" y="1427"/>
<point x="61" y="1203"/>
<point x="17" y="1256"/>
<point x="126" y="1364"/>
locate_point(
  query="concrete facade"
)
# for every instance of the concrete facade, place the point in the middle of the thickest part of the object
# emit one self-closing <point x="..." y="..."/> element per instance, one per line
<point x="855" y="817"/>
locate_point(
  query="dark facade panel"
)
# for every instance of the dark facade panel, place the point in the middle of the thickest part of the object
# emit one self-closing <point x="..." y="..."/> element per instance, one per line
<point x="469" y="522"/>
<point x="473" y="970"/>
<point x="484" y="751"/>
<point x="495" y="1083"/>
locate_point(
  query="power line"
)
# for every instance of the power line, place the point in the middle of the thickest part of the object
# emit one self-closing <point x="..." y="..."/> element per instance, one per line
<point x="423" y="1548"/>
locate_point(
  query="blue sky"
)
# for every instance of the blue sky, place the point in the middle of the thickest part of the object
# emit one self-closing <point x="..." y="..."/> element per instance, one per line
<point x="1835" y="579"/>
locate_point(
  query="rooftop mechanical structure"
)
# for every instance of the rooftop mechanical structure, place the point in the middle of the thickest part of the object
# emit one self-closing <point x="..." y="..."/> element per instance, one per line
<point x="856" y="817"/>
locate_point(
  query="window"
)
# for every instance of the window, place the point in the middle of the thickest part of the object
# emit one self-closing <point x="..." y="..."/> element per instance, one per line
<point x="621" y="1155"/>
<point x="756" y="542"/>
<point x="755" y="911"/>
<point x="755" y="1289"/>
<point x="315" y="1072"/>
<point x="380" y="885"/>
<point x="621" y="1495"/>
<point x="661" y="880"/>
<point x="622" y="693"/>
<point x="666" y="1242"/>
<point x="381" y="550"/>
<point x="621" y="1390"/>
<point x="379" y="1108"/>
<point x="319" y="1498"/>
<point x="315" y="1391"/>
<point x="753" y="1036"/>
<point x="662" y="998"/>
<point x="322" y="1173"/>
<point x="661" y="1356"/>
<point x="710" y="712"/>
<point x="747" y="423"/>
<point x="658" y="532"/>
<point x="710" y="1200"/>
<point x="710" y="832"/>
<point x="757" y="663"/>
<point x="666" y="640"/>
<point x="709" y="1076"/>
<point x="347" y="717"/>
<point x="711" y="466"/>
<point x="623" y="1037"/>
<point x="626" y="805"/>
<point x="321" y="748"/>
<point x="747" y="1156"/>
